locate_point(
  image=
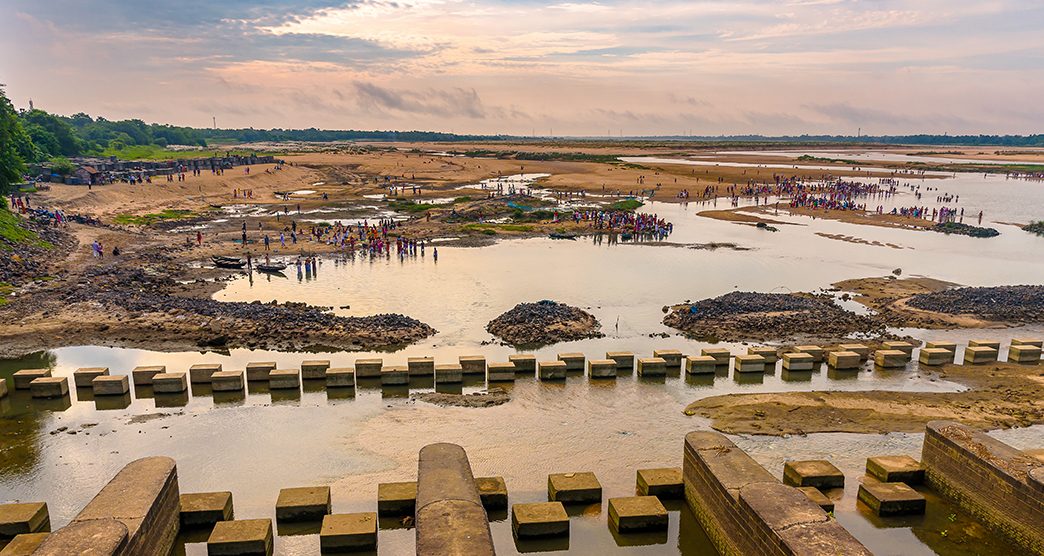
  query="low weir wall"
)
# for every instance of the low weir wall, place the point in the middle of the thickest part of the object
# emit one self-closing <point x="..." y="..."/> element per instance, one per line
<point x="450" y="518"/>
<point x="1000" y="485"/>
<point x="745" y="510"/>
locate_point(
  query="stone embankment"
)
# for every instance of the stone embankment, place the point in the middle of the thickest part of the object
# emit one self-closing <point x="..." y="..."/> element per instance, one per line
<point x="543" y="323"/>
<point x="1013" y="304"/>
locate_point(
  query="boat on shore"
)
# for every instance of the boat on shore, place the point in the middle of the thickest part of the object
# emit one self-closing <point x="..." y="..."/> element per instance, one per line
<point x="227" y="262"/>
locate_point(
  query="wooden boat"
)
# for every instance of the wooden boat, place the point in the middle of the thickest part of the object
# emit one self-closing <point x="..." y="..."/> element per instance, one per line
<point x="271" y="267"/>
<point x="559" y="235"/>
<point x="228" y="262"/>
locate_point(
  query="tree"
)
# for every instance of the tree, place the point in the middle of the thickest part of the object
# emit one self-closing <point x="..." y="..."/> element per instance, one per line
<point x="69" y="144"/>
<point x="13" y="144"/>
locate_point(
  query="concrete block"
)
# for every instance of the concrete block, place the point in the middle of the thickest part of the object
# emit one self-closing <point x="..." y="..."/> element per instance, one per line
<point x="340" y="377"/>
<point x="501" y="372"/>
<point x="142" y="376"/>
<point x="573" y="361"/>
<point x="103" y="536"/>
<point x="979" y="354"/>
<point x="493" y="492"/>
<point x="861" y="349"/>
<point x="574" y="488"/>
<point x="1027" y="342"/>
<point x="200" y="374"/>
<point x="552" y="370"/>
<point x="394" y="375"/>
<point x="700" y="365"/>
<point x="672" y="357"/>
<point x="449" y="374"/>
<point x="303" y="503"/>
<point x="258" y="371"/>
<point x="905" y="347"/>
<point x="114" y="385"/>
<point x="368" y="368"/>
<point x="450" y="517"/>
<point x="601" y="368"/>
<point x="664" y="483"/>
<point x="652" y="366"/>
<point x="817" y="497"/>
<point x="769" y="353"/>
<point x="890" y="358"/>
<point x="816" y="473"/>
<point x="816" y="352"/>
<point x="227" y="381"/>
<point x="798" y="362"/>
<point x="205" y="508"/>
<point x="50" y="387"/>
<point x="935" y="356"/>
<point x="284" y="379"/>
<point x="891" y="498"/>
<point x="895" y="469"/>
<point x="396" y="498"/>
<point x="246" y="536"/>
<point x="524" y="363"/>
<point x="624" y="359"/>
<point x="314" y="370"/>
<point x="18" y="519"/>
<point x="84" y="376"/>
<point x="985" y="343"/>
<point x="721" y="355"/>
<point x="1023" y="353"/>
<point x="169" y="383"/>
<point x="23" y="378"/>
<point x="348" y="532"/>
<point x="3" y="387"/>
<point x="637" y="513"/>
<point x="472" y="364"/>
<point x="420" y="366"/>
<point x="542" y="519"/>
<point x="949" y="346"/>
<point x="844" y="360"/>
<point x="750" y="363"/>
<point x="24" y="544"/>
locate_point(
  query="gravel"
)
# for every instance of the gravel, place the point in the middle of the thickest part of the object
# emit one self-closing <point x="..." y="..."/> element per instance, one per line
<point x="1020" y="304"/>
<point x="543" y="323"/>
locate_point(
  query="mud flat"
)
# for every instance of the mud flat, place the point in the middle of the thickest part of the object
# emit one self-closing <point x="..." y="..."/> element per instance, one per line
<point x="543" y="323"/>
<point x="740" y="316"/>
<point x="1000" y="396"/>
<point x="490" y="398"/>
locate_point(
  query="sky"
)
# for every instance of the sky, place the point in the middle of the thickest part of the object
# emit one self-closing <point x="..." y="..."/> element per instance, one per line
<point x="527" y="67"/>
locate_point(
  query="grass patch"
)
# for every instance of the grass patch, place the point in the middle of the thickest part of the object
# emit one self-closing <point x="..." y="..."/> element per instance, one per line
<point x="627" y="204"/>
<point x="149" y="219"/>
<point x="12" y="232"/>
<point x="154" y="152"/>
<point x="5" y="290"/>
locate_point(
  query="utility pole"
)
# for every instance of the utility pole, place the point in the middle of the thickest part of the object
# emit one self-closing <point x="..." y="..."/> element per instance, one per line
<point x="214" y="118"/>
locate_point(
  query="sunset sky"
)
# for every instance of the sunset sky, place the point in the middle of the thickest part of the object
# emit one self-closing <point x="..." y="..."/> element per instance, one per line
<point x="529" y="66"/>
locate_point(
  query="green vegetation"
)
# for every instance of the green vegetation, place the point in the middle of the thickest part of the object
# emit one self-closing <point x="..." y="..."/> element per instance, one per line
<point x="149" y="219"/>
<point x="5" y="290"/>
<point x="408" y="205"/>
<point x="12" y="233"/>
<point x="15" y="145"/>
<point x="155" y="152"/>
<point x="628" y="205"/>
<point x="1035" y="228"/>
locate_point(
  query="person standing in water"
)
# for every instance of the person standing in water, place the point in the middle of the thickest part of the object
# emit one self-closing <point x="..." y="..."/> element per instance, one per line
<point x="435" y="254"/>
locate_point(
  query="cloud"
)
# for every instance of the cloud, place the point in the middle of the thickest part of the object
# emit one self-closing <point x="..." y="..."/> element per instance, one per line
<point x="452" y="102"/>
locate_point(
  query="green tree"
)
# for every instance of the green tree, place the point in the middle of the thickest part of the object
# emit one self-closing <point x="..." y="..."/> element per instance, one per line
<point x="69" y="144"/>
<point x="13" y="145"/>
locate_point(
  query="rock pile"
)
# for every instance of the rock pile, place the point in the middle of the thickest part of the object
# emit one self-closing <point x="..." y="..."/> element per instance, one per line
<point x="964" y="229"/>
<point x="1015" y="304"/>
<point x="542" y="323"/>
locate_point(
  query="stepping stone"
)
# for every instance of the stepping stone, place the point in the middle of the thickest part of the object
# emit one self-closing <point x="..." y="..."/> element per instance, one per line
<point x="977" y="355"/>
<point x="664" y="483"/>
<point x="50" y="387"/>
<point x="247" y="536"/>
<point x="815" y="351"/>
<point x="817" y="473"/>
<point x="259" y="370"/>
<point x="652" y="366"/>
<point x="750" y="363"/>
<point x="1027" y="342"/>
<point x="449" y="374"/>
<point x="720" y="355"/>
<point x="348" y="532"/>
<point x="817" y="497"/>
<point x="227" y="381"/>
<point x="314" y="370"/>
<point x="284" y="379"/>
<point x="114" y="385"/>
<point x="23" y="378"/>
<point x="524" y="363"/>
<point x="24" y="544"/>
<point x="891" y="498"/>
<point x="142" y="375"/>
<point x="949" y="346"/>
<point x="861" y="349"/>
<point x="395" y="375"/>
<point x="637" y="513"/>
<point x="672" y="357"/>
<point x="601" y="368"/>
<point x="303" y="503"/>
<point x="844" y="360"/>
<point x="420" y="366"/>
<point x="573" y="361"/>
<point x="798" y="361"/>
<point x="396" y="498"/>
<point x="501" y="372"/>
<point x="700" y="365"/>
<point x="1023" y="354"/>
<point x="985" y="343"/>
<point x="552" y="370"/>
<point x="574" y="488"/>
<point x="200" y="374"/>
<point x="895" y="469"/>
<point x="905" y="347"/>
<point x="890" y="358"/>
<point x="368" y="368"/>
<point x="340" y="377"/>
<point x="768" y="352"/>
<point x="84" y="376"/>
<point x="169" y="383"/>
<point x="935" y="356"/>
<point x="205" y="508"/>
<point x="542" y="519"/>
<point x="624" y="359"/>
<point x="28" y="517"/>
<point x="472" y="364"/>
<point x="493" y="492"/>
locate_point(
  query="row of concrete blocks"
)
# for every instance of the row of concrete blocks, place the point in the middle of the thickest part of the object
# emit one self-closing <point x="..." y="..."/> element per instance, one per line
<point x="885" y="489"/>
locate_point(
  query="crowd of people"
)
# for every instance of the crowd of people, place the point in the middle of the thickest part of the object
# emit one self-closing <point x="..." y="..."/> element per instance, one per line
<point x="647" y="225"/>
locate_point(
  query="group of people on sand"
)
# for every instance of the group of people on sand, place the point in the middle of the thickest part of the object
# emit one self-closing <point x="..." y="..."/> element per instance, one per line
<point x="624" y="221"/>
<point x="940" y="215"/>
